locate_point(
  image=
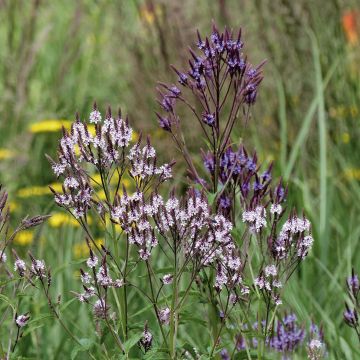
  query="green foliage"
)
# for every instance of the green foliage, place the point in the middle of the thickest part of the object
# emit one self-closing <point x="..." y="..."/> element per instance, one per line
<point x="60" y="56"/>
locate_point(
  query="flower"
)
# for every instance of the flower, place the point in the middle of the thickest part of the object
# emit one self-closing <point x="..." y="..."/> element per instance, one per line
<point x="118" y="283"/>
<point x="270" y="270"/>
<point x="51" y="125"/>
<point x="256" y="218"/>
<point x="315" y="349"/>
<point x="349" y="22"/>
<point x="353" y="284"/>
<point x="38" y="267"/>
<point x="81" y="250"/>
<point x="36" y="190"/>
<point x="167" y="279"/>
<point x="85" y="277"/>
<point x="275" y="209"/>
<point x="100" y="309"/>
<point x="24" y="238"/>
<point x="164" y="316"/>
<point x="146" y="340"/>
<point x="209" y="119"/>
<point x="6" y="154"/>
<point x="22" y="320"/>
<point x="3" y="256"/>
<point x="92" y="261"/>
<point x="103" y="277"/>
<point x="62" y="219"/>
<point x="95" y="116"/>
<point x="20" y="266"/>
<point x="351" y="317"/>
<point x="288" y="335"/>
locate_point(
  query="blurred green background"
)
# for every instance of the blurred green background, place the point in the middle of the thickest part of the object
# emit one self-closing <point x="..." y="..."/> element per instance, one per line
<point x="57" y="57"/>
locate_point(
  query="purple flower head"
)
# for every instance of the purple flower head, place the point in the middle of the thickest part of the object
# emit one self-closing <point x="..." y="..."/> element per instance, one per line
<point x="280" y="193"/>
<point x="258" y="185"/>
<point x="250" y="94"/>
<point x="353" y="284"/>
<point x="224" y="355"/>
<point x="266" y="175"/>
<point x="164" y="122"/>
<point x="225" y="202"/>
<point x="182" y="77"/>
<point x="288" y="335"/>
<point x="200" y="44"/>
<point x="251" y="73"/>
<point x="245" y="188"/>
<point x="175" y="90"/>
<point x="251" y="165"/>
<point x="240" y="343"/>
<point x="167" y="103"/>
<point x="209" y="162"/>
<point x="351" y="317"/>
<point x="209" y="119"/>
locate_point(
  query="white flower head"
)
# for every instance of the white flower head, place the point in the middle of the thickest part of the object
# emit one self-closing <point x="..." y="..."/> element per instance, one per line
<point x="22" y="320"/>
<point x="167" y="279"/>
<point x="95" y="117"/>
<point x="275" y="209"/>
<point x="92" y="261"/>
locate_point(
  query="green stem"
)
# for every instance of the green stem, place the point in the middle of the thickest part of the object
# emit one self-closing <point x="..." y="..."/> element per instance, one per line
<point x="173" y="312"/>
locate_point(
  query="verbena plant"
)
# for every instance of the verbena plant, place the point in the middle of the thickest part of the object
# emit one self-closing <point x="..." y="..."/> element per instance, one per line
<point x="213" y="262"/>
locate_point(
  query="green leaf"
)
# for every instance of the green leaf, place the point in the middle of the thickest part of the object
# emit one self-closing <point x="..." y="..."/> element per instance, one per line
<point x="85" y="344"/>
<point x="65" y="305"/>
<point x="8" y="301"/>
<point x="132" y="341"/>
<point x="156" y="354"/>
<point x="188" y="316"/>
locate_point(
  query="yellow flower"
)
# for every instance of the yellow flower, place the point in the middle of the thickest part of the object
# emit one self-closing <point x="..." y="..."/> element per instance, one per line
<point x="24" y="238"/>
<point x="91" y="129"/>
<point x="38" y="190"/>
<point x="56" y="186"/>
<point x="134" y="136"/>
<point x="352" y="174"/>
<point x="345" y="137"/>
<point x="6" y="154"/>
<point x="13" y="206"/>
<point x="81" y="250"/>
<point x="33" y="191"/>
<point x="60" y="219"/>
<point x="51" y="125"/>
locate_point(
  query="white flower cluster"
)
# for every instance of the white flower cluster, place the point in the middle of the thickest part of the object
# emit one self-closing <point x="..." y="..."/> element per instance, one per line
<point x="164" y="316"/>
<point x="294" y="234"/>
<point x="22" y="320"/>
<point x="100" y="309"/>
<point x="203" y="236"/>
<point x="38" y="267"/>
<point x="268" y="280"/>
<point x="275" y="209"/>
<point x="143" y="163"/>
<point x="256" y="218"/>
<point x="103" y="149"/>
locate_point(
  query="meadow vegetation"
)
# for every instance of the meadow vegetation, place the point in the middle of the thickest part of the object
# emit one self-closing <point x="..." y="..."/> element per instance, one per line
<point x="294" y="132"/>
